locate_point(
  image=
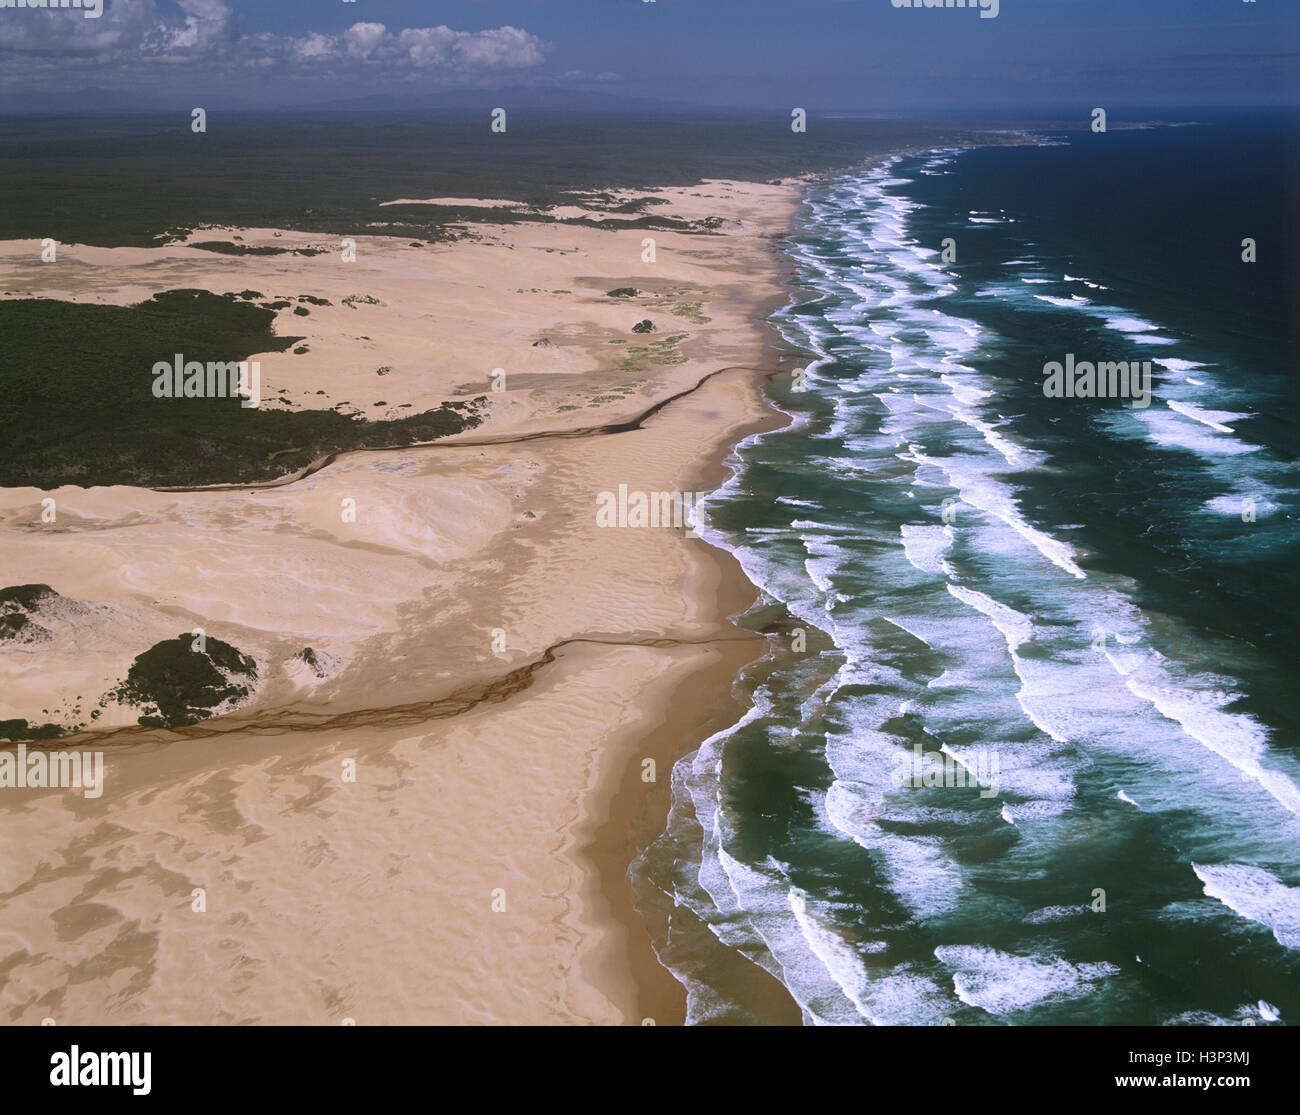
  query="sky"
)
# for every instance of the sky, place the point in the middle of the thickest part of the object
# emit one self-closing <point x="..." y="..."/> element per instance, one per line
<point x="849" y="56"/>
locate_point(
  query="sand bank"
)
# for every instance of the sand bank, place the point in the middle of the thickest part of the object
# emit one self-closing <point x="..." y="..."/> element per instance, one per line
<point x="432" y="827"/>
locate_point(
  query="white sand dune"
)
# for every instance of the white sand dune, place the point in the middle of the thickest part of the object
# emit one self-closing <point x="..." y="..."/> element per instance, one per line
<point x="372" y="900"/>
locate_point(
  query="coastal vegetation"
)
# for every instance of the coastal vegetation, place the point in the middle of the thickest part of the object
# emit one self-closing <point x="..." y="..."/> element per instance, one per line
<point x="78" y="413"/>
<point x="177" y="682"/>
<point x="154" y="180"/>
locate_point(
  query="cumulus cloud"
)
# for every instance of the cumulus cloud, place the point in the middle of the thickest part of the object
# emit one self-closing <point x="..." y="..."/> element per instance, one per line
<point x="139" y="37"/>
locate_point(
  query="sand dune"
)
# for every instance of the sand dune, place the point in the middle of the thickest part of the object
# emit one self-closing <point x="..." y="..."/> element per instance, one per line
<point x="328" y="899"/>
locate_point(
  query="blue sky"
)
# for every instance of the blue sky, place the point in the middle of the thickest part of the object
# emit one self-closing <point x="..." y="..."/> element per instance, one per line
<point x="826" y="55"/>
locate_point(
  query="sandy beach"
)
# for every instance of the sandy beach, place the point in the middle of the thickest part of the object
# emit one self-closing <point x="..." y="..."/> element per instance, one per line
<point x="429" y="819"/>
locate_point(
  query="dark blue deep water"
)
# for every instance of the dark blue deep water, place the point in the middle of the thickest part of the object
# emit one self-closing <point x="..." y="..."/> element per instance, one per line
<point x="1074" y="619"/>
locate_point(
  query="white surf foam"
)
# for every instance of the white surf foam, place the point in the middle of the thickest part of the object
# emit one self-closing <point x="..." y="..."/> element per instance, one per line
<point x="1257" y="896"/>
<point x="1215" y="419"/>
<point x="1002" y="983"/>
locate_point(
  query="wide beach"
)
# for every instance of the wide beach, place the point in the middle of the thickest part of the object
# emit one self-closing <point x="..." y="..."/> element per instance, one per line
<point x="429" y="818"/>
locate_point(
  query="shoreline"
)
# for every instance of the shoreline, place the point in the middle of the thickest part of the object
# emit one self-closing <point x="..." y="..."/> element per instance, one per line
<point x="494" y="533"/>
<point x="622" y="839"/>
<point x="634" y="818"/>
<point x="628" y="827"/>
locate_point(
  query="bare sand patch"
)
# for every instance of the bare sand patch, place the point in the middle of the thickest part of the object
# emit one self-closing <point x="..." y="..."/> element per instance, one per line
<point x="474" y="567"/>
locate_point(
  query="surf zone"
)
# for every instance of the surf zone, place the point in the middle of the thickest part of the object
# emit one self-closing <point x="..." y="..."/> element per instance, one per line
<point x="1109" y="379"/>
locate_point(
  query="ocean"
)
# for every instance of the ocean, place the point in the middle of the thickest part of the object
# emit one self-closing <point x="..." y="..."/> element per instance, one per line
<point x="1024" y="749"/>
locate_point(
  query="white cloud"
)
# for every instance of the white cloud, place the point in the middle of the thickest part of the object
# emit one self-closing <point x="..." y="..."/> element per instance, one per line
<point x="135" y="36"/>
